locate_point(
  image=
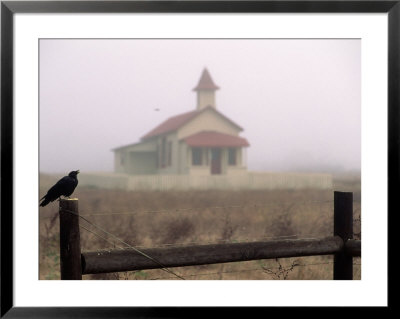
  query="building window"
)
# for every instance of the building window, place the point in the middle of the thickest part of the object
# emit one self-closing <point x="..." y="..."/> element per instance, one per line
<point x="232" y="156"/>
<point x="196" y="156"/>
<point x="169" y="153"/>
<point x="163" y="153"/>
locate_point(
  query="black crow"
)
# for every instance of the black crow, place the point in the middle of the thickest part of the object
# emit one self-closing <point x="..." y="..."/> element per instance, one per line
<point x="64" y="187"/>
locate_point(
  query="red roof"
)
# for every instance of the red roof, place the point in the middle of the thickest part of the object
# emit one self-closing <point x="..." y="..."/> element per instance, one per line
<point x="215" y="139"/>
<point x="176" y="122"/>
<point x="171" y="124"/>
<point x="206" y="82"/>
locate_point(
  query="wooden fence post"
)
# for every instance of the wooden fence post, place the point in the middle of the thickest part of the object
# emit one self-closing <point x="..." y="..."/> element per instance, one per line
<point x="343" y="227"/>
<point x="70" y="246"/>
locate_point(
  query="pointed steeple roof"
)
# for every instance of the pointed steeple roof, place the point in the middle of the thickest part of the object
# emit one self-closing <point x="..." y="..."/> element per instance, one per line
<point x="206" y="82"/>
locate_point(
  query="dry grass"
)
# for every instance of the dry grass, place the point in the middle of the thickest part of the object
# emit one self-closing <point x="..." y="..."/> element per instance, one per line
<point x="149" y="219"/>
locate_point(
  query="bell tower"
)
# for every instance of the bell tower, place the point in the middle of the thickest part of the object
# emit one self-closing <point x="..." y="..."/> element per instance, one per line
<point x="205" y="91"/>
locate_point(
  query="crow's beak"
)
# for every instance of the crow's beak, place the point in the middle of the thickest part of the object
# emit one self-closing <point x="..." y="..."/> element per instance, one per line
<point x="77" y="171"/>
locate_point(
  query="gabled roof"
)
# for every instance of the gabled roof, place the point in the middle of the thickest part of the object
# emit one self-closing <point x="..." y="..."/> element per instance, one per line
<point x="123" y="146"/>
<point x="171" y="124"/>
<point x="139" y="146"/>
<point x="215" y="139"/>
<point x="206" y="82"/>
<point x="176" y="122"/>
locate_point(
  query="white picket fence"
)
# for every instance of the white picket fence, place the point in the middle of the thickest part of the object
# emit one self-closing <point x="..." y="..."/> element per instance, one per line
<point x="251" y="180"/>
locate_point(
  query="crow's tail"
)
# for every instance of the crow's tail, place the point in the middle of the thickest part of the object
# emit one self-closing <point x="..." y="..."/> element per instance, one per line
<point x="45" y="202"/>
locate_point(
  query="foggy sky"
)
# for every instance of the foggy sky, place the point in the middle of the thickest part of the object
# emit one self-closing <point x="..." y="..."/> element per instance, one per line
<point x="299" y="101"/>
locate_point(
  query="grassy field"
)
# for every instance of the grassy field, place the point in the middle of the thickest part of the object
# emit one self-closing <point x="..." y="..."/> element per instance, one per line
<point x="153" y="219"/>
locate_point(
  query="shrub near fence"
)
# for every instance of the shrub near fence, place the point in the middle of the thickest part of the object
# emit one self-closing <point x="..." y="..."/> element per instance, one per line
<point x="74" y="263"/>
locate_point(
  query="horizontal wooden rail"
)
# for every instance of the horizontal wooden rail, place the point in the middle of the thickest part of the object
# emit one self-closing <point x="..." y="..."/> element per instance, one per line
<point x="128" y="259"/>
<point x="352" y="248"/>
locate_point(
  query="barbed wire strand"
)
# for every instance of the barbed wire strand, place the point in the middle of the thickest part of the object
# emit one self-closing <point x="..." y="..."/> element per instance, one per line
<point x="189" y="209"/>
<point x="242" y="240"/>
<point x="105" y="239"/>
<point x="246" y="270"/>
<point x="357" y="219"/>
<point x="172" y="245"/>
<point x="125" y="243"/>
<point x="245" y="240"/>
<point x="220" y="241"/>
<point x="185" y="210"/>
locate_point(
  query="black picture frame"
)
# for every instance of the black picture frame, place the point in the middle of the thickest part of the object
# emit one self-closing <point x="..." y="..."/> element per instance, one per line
<point x="9" y="8"/>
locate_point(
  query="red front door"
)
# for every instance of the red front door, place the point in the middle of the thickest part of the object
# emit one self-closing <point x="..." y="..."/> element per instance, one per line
<point x="215" y="161"/>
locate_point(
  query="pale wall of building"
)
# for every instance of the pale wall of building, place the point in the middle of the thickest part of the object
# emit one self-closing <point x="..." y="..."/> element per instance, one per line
<point x="207" y="121"/>
<point x="205" y="98"/>
<point x="125" y="160"/>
